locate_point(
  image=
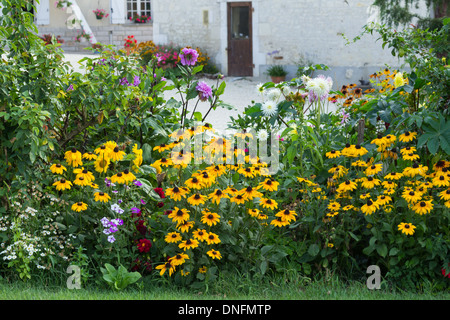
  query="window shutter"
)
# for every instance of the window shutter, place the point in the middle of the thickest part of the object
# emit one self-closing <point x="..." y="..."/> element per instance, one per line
<point x="42" y="15"/>
<point x="118" y="11"/>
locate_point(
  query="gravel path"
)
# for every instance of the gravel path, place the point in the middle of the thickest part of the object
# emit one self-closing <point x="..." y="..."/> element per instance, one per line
<point x="239" y="93"/>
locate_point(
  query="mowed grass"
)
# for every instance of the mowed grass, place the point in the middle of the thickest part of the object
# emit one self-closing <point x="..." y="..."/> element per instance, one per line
<point x="237" y="287"/>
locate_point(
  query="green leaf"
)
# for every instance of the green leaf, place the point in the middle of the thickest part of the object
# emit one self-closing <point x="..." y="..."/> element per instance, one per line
<point x="313" y="250"/>
<point x="382" y="250"/>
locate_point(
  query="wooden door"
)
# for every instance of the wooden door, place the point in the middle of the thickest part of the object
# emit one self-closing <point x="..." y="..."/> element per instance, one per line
<point x="240" y="51"/>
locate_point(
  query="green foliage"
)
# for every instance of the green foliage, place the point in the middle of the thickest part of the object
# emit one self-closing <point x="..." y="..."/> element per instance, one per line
<point x="276" y="71"/>
<point x="119" y="278"/>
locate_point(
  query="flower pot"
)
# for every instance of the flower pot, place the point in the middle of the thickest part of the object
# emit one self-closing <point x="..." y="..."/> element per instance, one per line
<point x="278" y="79"/>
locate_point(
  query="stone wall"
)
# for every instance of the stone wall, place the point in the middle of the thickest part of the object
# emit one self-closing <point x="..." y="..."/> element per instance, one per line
<point x="296" y="30"/>
<point x="104" y="31"/>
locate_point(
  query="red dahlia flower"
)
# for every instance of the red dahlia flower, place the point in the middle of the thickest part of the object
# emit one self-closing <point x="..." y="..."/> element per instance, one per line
<point x="144" y="245"/>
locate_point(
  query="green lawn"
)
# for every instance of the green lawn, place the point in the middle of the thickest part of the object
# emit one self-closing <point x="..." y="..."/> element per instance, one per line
<point x="231" y="288"/>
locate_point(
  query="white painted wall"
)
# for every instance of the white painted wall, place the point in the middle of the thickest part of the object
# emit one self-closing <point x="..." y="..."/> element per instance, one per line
<point x="308" y="29"/>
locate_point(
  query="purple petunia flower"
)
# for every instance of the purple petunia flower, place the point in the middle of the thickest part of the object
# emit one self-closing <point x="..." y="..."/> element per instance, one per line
<point x="143" y="202"/>
<point x="136" y="81"/>
<point x="188" y="57"/>
<point x="70" y="88"/>
<point x="137" y="183"/>
<point x="111" y="239"/>
<point x="135" y="210"/>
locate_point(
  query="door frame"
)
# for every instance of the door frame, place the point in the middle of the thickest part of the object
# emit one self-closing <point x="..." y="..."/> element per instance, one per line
<point x="229" y="6"/>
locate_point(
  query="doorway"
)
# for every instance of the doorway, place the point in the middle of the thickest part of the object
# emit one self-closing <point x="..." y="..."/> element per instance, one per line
<point x="240" y="51"/>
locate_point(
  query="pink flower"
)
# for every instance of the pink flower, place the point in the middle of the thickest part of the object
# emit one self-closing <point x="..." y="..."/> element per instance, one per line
<point x="188" y="57"/>
<point x="204" y="91"/>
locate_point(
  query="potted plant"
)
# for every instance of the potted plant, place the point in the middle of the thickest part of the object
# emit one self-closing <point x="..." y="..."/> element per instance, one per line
<point x="140" y="18"/>
<point x="277" y="73"/>
<point x="83" y="37"/>
<point x="130" y="43"/>
<point x="100" y="13"/>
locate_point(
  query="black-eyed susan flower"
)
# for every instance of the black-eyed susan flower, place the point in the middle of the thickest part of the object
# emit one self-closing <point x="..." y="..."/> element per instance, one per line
<point x="393" y="176"/>
<point x="332" y="213"/>
<point x="333" y="154"/>
<point x="212" y="238"/>
<point x="231" y="191"/>
<point x="181" y="158"/>
<point x="414" y="170"/>
<point x="268" y="203"/>
<point x="179" y="215"/>
<point x="369" y="207"/>
<point x="214" y="254"/>
<point x="383" y="199"/>
<point x="338" y="171"/>
<point x="370" y="182"/>
<point x="410" y="156"/>
<point x="247" y="172"/>
<point x="407" y="136"/>
<point x="359" y="151"/>
<point x="238" y="199"/>
<point x="379" y="141"/>
<point x="359" y="164"/>
<point x="346" y="186"/>
<point x="163" y="162"/>
<point x="173" y="237"/>
<point x="89" y="156"/>
<point x="128" y="176"/>
<point x="334" y="206"/>
<point x="445" y="195"/>
<point x="440" y="165"/>
<point x="197" y="199"/>
<point x="253" y="212"/>
<point x="200" y="235"/>
<point x="184" y="226"/>
<point x="287" y="215"/>
<point x="101" y="164"/>
<point x="262" y="216"/>
<point x="102" y="151"/>
<point x="387" y="184"/>
<point x="118" y="178"/>
<point x="194" y="183"/>
<point x="365" y="195"/>
<point x="63" y="184"/>
<point x="206" y="179"/>
<point x="407" y="228"/>
<point x="117" y="154"/>
<point x="164" y="267"/>
<point x="73" y="158"/>
<point x="348" y="151"/>
<point x="162" y="147"/>
<point x="249" y="193"/>
<point x="178" y="259"/>
<point x="423" y="207"/>
<point x="79" y="206"/>
<point x="203" y="269"/>
<point x="411" y="196"/>
<point x="217" y="170"/>
<point x="188" y="244"/>
<point x="269" y="185"/>
<point x="81" y="181"/>
<point x="82" y="172"/>
<point x="176" y="193"/>
<point x="101" y="197"/>
<point x="279" y="222"/>
<point x="407" y="150"/>
<point x="373" y="169"/>
<point x="390" y="139"/>
<point x="441" y="180"/>
<point x="348" y="207"/>
<point x="218" y="195"/>
<point x="210" y="218"/>
<point x="58" y="168"/>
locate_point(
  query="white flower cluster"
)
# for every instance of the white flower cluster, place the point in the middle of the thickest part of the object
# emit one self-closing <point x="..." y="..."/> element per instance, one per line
<point x="318" y="87"/>
<point x="271" y="98"/>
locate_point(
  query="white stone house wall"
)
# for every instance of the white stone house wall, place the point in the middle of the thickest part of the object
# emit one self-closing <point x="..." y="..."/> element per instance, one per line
<point x="298" y="29"/>
<point x="106" y="30"/>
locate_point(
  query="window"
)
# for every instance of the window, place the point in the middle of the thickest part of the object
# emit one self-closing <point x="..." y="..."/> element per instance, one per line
<point x="138" y="8"/>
